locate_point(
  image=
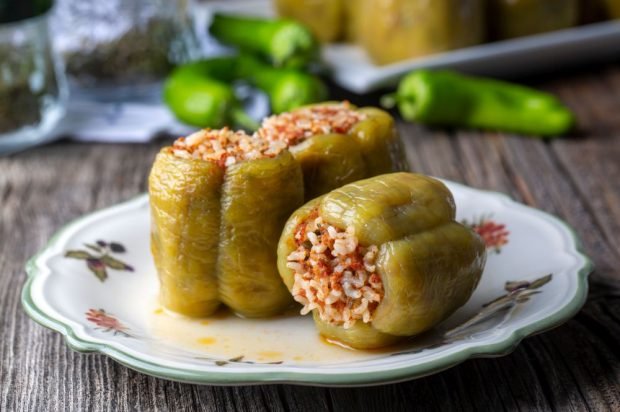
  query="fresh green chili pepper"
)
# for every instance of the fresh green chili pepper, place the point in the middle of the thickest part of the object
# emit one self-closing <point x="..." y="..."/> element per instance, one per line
<point x="451" y="99"/>
<point x="200" y="94"/>
<point x="285" y="43"/>
<point x="287" y="88"/>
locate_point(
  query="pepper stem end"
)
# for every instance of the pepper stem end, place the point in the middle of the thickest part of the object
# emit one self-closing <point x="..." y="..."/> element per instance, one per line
<point x="241" y="119"/>
<point x="389" y="101"/>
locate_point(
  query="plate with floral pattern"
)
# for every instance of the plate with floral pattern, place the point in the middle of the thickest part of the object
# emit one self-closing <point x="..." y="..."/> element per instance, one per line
<point x="96" y="284"/>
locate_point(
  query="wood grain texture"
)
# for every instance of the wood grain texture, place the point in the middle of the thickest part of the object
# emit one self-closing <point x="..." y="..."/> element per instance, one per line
<point x="573" y="367"/>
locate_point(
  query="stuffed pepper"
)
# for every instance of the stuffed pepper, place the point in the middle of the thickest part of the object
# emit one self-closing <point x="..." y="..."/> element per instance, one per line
<point x="517" y="18"/>
<point x="219" y="200"/>
<point x="395" y="30"/>
<point x="380" y="259"/>
<point x="336" y="143"/>
<point x="325" y="18"/>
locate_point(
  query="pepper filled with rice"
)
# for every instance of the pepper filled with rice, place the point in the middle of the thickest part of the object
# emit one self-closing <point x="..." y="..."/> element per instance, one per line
<point x="380" y="259"/>
<point x="219" y="200"/>
<point x="336" y="143"/>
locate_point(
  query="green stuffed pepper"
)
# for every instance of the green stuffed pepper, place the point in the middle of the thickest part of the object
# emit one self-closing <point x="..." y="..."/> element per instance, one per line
<point x="517" y="18"/>
<point x="380" y="259"/>
<point x="336" y="143"/>
<point x="219" y="200"/>
<point x="395" y="30"/>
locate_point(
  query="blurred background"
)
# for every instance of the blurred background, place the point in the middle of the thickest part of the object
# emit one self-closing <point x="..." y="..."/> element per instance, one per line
<point x="96" y="71"/>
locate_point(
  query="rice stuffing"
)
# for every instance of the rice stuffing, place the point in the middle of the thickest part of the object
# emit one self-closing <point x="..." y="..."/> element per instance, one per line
<point x="224" y="147"/>
<point x="294" y="127"/>
<point x="334" y="274"/>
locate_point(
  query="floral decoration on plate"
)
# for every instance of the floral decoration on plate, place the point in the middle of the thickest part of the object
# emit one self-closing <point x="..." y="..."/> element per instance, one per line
<point x="494" y="234"/>
<point x="107" y="322"/>
<point x="98" y="257"/>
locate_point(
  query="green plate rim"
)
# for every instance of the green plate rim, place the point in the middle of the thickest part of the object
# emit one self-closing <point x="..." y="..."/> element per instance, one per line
<point x="409" y="372"/>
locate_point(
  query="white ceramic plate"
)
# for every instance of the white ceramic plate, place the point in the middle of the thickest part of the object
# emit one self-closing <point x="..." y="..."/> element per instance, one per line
<point x="109" y="304"/>
<point x="352" y="69"/>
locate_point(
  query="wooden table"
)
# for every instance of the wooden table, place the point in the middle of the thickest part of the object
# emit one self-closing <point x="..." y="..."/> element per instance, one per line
<point x="573" y="367"/>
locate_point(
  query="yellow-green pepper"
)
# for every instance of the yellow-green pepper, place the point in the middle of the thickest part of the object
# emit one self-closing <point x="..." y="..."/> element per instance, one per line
<point x="516" y="18"/>
<point x="613" y="8"/>
<point x="429" y="264"/>
<point x="325" y="18"/>
<point x="371" y="147"/>
<point x="393" y="30"/>
<point x="214" y="232"/>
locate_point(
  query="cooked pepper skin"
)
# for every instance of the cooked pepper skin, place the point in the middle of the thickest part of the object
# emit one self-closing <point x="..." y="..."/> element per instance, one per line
<point x="516" y="18"/>
<point x="214" y="232"/>
<point x="447" y="98"/>
<point x="429" y="263"/>
<point x="257" y="198"/>
<point x="395" y="30"/>
<point x="185" y="212"/>
<point x="324" y="17"/>
<point x="613" y="8"/>
<point x="370" y="148"/>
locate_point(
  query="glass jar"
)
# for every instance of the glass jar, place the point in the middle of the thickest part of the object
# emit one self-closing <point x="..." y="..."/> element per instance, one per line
<point x="117" y="50"/>
<point x="32" y="85"/>
<point x="516" y="18"/>
<point x="393" y="30"/>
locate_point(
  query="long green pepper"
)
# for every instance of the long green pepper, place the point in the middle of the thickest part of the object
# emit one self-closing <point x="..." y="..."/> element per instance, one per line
<point x="447" y="98"/>
<point x="287" y="89"/>
<point x="285" y="43"/>
<point x="201" y="93"/>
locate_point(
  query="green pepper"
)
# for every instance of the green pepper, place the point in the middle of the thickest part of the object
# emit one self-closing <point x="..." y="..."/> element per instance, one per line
<point x="215" y="230"/>
<point x="369" y="148"/>
<point x="395" y="30"/>
<point x="285" y="43"/>
<point x="287" y="89"/>
<point x="450" y="99"/>
<point x="613" y="8"/>
<point x="200" y="94"/>
<point x="428" y="263"/>
<point x="599" y="10"/>
<point x="517" y="18"/>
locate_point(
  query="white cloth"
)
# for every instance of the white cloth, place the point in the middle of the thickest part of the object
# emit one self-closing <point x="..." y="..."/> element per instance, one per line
<point x="117" y="122"/>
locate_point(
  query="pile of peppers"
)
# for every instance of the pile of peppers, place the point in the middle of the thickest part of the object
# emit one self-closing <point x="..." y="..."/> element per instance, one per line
<point x="273" y="57"/>
<point x="275" y="54"/>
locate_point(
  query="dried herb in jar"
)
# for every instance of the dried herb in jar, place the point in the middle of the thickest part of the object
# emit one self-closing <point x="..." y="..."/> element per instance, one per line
<point x="22" y="87"/>
<point x="136" y="57"/>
